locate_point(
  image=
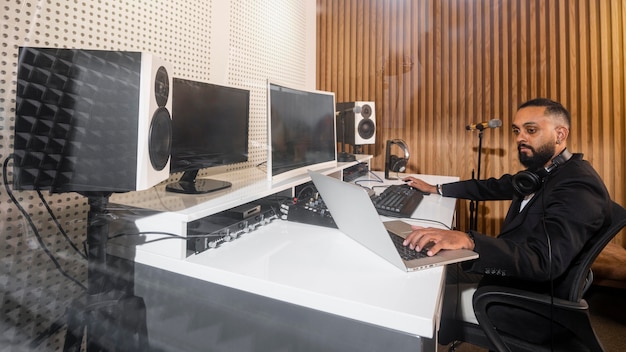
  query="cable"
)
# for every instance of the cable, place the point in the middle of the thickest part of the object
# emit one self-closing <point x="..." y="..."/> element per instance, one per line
<point x="51" y="330"/>
<point x="384" y="186"/>
<point x="309" y="186"/>
<point x="262" y="166"/>
<point x="32" y="224"/>
<point x="433" y="221"/>
<point x="56" y="221"/>
<point x="160" y="198"/>
<point x="378" y="179"/>
<point x="171" y="235"/>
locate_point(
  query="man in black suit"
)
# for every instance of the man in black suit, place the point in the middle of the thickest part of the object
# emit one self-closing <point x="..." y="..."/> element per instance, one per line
<point x="558" y="204"/>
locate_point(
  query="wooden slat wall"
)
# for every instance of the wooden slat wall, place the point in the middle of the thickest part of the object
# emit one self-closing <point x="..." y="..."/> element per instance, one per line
<point x="434" y="66"/>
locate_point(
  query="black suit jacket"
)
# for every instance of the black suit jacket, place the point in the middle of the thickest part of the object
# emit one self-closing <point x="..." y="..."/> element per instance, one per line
<point x="538" y="243"/>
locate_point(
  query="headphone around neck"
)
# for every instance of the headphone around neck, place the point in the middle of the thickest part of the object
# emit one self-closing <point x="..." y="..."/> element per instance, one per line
<point x="528" y="182"/>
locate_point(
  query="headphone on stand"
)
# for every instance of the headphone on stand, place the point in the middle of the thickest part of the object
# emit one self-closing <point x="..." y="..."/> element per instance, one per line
<point x="392" y="162"/>
<point x="528" y="182"/>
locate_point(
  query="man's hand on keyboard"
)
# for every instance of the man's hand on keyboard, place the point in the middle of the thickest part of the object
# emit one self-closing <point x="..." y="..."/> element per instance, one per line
<point x="420" y="184"/>
<point x="442" y="239"/>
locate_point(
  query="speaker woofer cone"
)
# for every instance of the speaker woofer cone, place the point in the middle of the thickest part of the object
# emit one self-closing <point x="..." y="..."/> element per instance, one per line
<point x="366" y="128"/>
<point x="160" y="139"/>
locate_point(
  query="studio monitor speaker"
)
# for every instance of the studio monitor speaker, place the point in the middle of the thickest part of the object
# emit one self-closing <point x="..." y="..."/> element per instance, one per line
<point x="360" y="127"/>
<point x="91" y="120"/>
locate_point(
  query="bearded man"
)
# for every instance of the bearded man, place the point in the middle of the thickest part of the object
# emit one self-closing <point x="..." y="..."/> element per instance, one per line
<point x="557" y="204"/>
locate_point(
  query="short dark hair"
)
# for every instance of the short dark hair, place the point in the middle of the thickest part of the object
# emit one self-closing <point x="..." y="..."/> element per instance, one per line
<point x="552" y="108"/>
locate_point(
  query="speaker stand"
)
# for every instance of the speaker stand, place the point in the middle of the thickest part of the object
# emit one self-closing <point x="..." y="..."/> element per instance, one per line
<point x="343" y="156"/>
<point x="111" y="319"/>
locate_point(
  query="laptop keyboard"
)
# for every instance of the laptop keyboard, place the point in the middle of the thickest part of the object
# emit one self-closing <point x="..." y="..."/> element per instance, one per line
<point x="405" y="251"/>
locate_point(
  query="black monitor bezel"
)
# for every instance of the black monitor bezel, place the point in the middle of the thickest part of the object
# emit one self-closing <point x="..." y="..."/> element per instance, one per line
<point x="188" y="183"/>
<point x="299" y="170"/>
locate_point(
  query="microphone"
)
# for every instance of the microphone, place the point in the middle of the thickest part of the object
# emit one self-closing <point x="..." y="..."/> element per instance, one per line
<point x="356" y="110"/>
<point x="494" y="123"/>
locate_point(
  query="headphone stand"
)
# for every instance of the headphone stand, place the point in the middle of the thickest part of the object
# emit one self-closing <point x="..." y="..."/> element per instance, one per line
<point x="392" y="162"/>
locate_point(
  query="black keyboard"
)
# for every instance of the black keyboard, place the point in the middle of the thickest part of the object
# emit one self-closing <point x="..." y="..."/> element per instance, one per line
<point x="405" y="251"/>
<point x="397" y="201"/>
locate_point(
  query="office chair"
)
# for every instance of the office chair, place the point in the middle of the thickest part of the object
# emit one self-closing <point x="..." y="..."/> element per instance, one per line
<point x="571" y="327"/>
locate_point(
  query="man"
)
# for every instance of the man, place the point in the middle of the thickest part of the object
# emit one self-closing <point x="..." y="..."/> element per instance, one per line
<point x="544" y="229"/>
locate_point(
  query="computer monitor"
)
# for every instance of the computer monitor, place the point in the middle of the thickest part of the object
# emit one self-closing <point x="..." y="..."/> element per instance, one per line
<point x="209" y="128"/>
<point x="301" y="131"/>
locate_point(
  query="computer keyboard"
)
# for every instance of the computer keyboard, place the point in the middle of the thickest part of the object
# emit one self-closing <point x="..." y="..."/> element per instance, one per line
<point x="397" y="201"/>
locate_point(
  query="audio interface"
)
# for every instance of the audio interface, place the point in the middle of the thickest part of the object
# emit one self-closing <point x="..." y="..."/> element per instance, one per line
<point x="215" y="230"/>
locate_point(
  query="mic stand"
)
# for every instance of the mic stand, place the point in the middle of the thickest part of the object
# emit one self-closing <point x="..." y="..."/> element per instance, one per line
<point x="474" y="203"/>
<point x="343" y="156"/>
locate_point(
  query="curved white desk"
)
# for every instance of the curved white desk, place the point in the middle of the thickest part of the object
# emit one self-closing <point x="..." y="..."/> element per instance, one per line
<point x="321" y="269"/>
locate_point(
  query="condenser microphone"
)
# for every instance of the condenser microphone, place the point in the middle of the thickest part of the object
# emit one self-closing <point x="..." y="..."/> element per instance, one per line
<point x="494" y="123"/>
<point x="356" y="109"/>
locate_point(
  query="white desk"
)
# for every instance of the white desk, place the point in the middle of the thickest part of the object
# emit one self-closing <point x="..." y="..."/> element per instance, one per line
<point x="322" y="269"/>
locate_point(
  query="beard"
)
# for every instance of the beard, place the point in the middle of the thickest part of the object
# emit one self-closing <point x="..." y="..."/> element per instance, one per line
<point x="538" y="158"/>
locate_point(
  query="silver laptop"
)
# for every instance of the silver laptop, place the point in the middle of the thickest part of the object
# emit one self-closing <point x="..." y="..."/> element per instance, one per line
<point x="355" y="215"/>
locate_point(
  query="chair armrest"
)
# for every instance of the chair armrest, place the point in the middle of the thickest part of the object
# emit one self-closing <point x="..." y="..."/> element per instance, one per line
<point x="521" y="298"/>
<point x="566" y="313"/>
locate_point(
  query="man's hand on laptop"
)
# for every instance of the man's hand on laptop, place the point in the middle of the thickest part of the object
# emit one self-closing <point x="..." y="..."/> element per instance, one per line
<point x="442" y="239"/>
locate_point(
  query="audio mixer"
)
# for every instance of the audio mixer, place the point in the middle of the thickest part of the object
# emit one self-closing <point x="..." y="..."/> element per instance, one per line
<point x="309" y="211"/>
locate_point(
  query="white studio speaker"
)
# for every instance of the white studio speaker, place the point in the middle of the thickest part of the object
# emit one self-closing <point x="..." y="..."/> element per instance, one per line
<point x="360" y="127"/>
<point x="92" y="120"/>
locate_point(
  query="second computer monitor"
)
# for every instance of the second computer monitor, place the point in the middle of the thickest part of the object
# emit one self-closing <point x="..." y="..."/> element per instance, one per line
<point x="209" y="128"/>
<point x="301" y="131"/>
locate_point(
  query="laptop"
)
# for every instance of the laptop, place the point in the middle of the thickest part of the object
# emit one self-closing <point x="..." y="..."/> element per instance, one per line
<point x="355" y="216"/>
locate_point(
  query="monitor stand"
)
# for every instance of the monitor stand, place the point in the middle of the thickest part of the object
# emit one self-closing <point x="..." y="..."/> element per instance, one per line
<point x="189" y="184"/>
